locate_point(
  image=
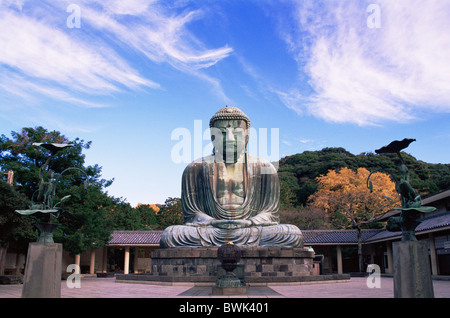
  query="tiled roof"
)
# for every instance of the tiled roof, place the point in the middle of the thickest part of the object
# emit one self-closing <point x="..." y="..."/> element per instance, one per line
<point x="435" y="221"/>
<point x="429" y="223"/>
<point x="312" y="237"/>
<point x="135" y="238"/>
<point x="436" y="197"/>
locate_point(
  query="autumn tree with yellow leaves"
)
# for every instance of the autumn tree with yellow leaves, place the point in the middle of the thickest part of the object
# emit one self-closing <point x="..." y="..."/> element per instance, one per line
<point x="348" y="202"/>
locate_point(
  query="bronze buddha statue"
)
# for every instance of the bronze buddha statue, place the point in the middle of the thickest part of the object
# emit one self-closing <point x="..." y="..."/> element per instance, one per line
<point x="231" y="196"/>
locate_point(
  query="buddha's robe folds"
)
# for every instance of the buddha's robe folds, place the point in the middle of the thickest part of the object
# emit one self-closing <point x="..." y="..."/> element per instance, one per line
<point x="261" y="206"/>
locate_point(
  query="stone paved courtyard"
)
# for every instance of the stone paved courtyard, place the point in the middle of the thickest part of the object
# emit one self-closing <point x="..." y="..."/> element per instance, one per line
<point x="109" y="288"/>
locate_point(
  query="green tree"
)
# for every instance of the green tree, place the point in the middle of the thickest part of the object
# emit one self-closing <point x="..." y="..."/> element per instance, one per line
<point x="299" y="171"/>
<point x="170" y="213"/>
<point x="287" y="196"/>
<point x="148" y="216"/>
<point x="12" y="225"/>
<point x="304" y="217"/>
<point x="124" y="217"/>
<point x="86" y="224"/>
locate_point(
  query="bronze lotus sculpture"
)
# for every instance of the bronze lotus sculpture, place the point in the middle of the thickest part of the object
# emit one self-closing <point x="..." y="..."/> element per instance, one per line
<point x="42" y="204"/>
<point x="411" y="208"/>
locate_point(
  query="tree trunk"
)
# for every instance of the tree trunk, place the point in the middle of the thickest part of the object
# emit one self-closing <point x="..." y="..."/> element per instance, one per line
<point x="360" y="254"/>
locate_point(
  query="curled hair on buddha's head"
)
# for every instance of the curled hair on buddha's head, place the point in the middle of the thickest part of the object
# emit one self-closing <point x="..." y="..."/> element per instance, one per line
<point x="229" y="113"/>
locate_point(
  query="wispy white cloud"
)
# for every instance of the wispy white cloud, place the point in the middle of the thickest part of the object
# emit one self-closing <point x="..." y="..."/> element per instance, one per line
<point x="370" y="76"/>
<point x="13" y="3"/>
<point x="306" y="141"/>
<point x="159" y="36"/>
<point x="40" y="52"/>
<point x="61" y="63"/>
<point x="31" y="92"/>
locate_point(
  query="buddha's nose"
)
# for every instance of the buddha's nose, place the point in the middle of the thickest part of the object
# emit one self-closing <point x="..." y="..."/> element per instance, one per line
<point x="230" y="135"/>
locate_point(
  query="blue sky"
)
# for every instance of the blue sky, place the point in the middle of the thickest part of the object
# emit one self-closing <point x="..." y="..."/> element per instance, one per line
<point x="130" y="76"/>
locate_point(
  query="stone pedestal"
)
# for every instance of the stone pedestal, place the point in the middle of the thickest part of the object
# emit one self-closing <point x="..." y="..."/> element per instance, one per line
<point x="43" y="271"/>
<point x="258" y="266"/>
<point x="256" y="262"/>
<point x="412" y="274"/>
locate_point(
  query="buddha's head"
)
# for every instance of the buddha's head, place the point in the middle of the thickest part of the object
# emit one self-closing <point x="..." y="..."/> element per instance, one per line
<point x="229" y="133"/>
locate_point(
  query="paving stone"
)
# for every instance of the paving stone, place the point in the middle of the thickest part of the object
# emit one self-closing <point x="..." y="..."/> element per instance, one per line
<point x="109" y="288"/>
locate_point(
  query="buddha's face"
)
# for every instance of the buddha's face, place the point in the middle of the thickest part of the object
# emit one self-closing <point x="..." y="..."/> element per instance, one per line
<point x="229" y="138"/>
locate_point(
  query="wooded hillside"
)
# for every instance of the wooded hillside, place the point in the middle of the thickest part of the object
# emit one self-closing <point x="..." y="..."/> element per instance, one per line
<point x="298" y="172"/>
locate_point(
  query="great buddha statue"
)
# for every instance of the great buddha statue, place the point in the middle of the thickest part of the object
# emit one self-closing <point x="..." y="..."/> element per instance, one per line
<point x="231" y="196"/>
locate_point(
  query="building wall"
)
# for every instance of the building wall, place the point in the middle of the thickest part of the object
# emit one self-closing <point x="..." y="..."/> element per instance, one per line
<point x="15" y="263"/>
<point x="328" y="262"/>
<point x="144" y="262"/>
<point x="442" y="245"/>
<point x="85" y="261"/>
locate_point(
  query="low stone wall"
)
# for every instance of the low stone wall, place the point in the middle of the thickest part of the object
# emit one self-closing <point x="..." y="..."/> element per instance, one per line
<point x="255" y="262"/>
<point x="11" y="279"/>
<point x="211" y="281"/>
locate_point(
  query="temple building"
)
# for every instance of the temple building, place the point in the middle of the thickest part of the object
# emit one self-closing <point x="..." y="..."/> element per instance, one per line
<point x="129" y="251"/>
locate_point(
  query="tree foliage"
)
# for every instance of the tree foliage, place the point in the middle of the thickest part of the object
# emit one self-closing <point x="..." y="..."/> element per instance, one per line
<point x="347" y="200"/>
<point x="170" y="213"/>
<point x="299" y="172"/>
<point x="344" y="196"/>
<point x="305" y="218"/>
<point x="92" y="213"/>
<point x="12" y="225"/>
<point x="85" y="226"/>
<point x="142" y="217"/>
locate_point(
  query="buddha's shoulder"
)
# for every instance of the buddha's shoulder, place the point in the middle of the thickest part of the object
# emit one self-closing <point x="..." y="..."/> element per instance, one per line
<point x="200" y="162"/>
<point x="258" y="160"/>
<point x="252" y="160"/>
<point x="267" y="166"/>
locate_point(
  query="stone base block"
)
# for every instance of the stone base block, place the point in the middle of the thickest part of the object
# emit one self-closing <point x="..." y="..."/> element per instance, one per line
<point x="42" y="277"/>
<point x="257" y="267"/>
<point x="412" y="274"/>
<point x="255" y="262"/>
